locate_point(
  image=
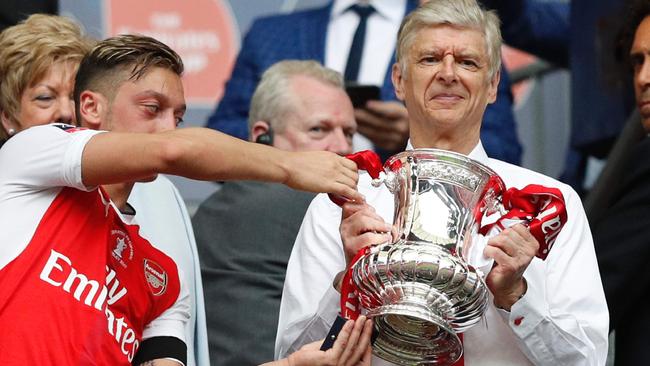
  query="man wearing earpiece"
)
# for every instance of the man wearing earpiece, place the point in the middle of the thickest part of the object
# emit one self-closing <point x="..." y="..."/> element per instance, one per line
<point x="245" y="231"/>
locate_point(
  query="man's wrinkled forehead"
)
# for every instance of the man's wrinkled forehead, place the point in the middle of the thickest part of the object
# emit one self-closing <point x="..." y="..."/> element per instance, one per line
<point x="425" y="39"/>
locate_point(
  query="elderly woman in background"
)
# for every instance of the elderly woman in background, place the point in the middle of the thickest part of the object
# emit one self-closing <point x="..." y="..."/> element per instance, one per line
<point x="38" y="62"/>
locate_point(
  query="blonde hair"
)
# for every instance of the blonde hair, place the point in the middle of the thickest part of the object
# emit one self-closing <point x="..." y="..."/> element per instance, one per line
<point x="29" y="49"/>
<point x="460" y="13"/>
<point x="272" y="98"/>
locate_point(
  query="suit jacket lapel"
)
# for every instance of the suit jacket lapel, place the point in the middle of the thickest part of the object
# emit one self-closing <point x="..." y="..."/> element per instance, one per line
<point x="387" y="91"/>
<point x="313" y="29"/>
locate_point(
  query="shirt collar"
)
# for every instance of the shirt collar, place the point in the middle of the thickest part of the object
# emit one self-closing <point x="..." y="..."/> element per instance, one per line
<point x="478" y="153"/>
<point x="389" y="9"/>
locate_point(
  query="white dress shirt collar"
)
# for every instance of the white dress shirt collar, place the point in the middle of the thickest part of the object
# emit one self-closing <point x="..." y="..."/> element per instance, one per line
<point x="390" y="9"/>
<point x="478" y="153"/>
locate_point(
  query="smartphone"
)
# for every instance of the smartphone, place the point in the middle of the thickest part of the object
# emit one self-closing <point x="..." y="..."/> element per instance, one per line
<point x="328" y="342"/>
<point x="360" y="94"/>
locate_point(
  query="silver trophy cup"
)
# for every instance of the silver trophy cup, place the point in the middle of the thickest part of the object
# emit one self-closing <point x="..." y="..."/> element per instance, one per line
<point x="419" y="290"/>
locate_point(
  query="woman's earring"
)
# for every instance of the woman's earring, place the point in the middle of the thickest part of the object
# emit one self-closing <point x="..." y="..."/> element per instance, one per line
<point x="11" y="132"/>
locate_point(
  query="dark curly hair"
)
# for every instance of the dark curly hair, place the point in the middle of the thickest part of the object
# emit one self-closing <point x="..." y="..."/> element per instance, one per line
<point x="637" y="11"/>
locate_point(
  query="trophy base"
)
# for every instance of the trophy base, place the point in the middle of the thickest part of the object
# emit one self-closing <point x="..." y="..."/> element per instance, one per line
<point x="410" y="333"/>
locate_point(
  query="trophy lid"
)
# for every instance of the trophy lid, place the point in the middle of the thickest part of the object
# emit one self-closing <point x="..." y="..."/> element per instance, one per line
<point x="429" y="154"/>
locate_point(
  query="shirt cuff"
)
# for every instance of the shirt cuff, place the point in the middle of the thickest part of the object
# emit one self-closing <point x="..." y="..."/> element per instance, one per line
<point x="527" y="312"/>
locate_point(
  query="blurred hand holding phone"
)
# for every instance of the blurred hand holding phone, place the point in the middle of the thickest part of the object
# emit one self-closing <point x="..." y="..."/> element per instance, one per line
<point x="384" y="123"/>
<point x="361" y="94"/>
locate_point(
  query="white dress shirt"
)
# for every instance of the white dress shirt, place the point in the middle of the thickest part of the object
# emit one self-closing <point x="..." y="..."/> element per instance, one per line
<point x="561" y="320"/>
<point x="378" y="48"/>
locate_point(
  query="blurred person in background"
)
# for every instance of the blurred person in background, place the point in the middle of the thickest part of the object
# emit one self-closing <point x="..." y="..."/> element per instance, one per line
<point x="580" y="35"/>
<point x="621" y="231"/>
<point x="38" y="61"/>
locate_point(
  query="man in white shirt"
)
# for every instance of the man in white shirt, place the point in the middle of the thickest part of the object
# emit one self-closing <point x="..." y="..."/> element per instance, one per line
<point x="547" y="312"/>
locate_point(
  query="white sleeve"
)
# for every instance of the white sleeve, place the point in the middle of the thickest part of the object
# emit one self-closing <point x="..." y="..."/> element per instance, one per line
<point x="171" y="323"/>
<point x="309" y="302"/>
<point x="317" y="257"/>
<point x="45" y="156"/>
<point x="165" y="222"/>
<point x="563" y="317"/>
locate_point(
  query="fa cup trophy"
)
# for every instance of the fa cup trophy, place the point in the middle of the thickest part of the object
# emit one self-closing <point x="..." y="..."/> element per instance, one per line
<point x="419" y="289"/>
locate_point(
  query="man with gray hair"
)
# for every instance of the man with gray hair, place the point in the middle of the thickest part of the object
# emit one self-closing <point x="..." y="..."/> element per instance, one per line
<point x="288" y="109"/>
<point x="542" y="312"/>
<point x="245" y="231"/>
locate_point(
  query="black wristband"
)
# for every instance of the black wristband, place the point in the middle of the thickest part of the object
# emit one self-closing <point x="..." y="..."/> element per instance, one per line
<point x="161" y="347"/>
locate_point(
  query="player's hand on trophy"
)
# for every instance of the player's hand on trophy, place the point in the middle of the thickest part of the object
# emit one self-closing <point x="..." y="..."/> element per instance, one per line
<point x="361" y="226"/>
<point x="512" y="250"/>
<point x="322" y="171"/>
<point x="351" y="348"/>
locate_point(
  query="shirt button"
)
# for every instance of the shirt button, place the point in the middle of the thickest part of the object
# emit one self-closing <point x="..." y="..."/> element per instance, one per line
<point x="518" y="320"/>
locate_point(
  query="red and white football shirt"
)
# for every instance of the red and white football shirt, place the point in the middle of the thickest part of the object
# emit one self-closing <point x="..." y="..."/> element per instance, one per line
<point x="78" y="284"/>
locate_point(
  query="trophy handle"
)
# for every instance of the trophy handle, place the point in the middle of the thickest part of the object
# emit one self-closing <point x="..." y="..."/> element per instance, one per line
<point x="366" y="160"/>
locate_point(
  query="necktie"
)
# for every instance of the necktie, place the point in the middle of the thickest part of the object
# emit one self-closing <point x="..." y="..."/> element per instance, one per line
<point x="354" y="57"/>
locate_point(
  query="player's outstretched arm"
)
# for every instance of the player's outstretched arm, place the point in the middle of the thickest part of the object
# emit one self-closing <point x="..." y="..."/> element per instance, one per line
<point x="205" y="154"/>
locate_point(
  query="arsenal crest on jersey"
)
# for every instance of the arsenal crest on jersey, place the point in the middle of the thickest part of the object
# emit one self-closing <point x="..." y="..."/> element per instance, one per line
<point x="156" y="277"/>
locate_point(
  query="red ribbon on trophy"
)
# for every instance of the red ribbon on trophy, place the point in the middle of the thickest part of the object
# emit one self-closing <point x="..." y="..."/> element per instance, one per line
<point x="541" y="208"/>
<point x="369" y="161"/>
<point x="366" y="160"/>
<point x="350" y="308"/>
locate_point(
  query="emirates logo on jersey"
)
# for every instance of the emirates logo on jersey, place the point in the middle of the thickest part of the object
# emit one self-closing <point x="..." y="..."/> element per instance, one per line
<point x="122" y="247"/>
<point x="156" y="277"/>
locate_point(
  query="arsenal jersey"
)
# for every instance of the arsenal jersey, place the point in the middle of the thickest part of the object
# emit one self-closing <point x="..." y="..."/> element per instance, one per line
<point x="78" y="283"/>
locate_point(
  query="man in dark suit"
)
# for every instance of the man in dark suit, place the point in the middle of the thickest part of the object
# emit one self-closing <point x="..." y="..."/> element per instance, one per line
<point x="306" y="35"/>
<point x="579" y="35"/>
<point x="245" y="231"/>
<point x="621" y="234"/>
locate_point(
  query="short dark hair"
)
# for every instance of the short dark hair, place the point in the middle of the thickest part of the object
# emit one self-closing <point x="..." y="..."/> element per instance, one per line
<point x="121" y="58"/>
<point x="638" y="10"/>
